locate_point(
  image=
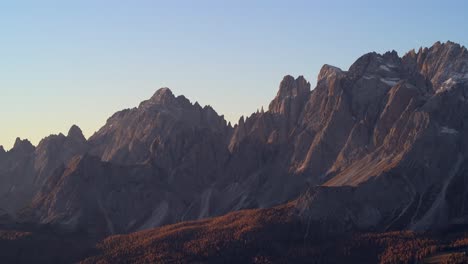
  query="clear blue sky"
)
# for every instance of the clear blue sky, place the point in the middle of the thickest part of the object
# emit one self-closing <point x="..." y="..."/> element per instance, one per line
<point x="77" y="62"/>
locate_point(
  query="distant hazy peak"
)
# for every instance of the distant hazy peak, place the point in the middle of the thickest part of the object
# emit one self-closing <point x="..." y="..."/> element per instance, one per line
<point x="76" y="133"/>
<point x="23" y="145"/>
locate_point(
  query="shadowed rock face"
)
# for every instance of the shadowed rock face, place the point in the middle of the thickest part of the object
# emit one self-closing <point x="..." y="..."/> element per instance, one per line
<point x="101" y="198"/>
<point x="25" y="168"/>
<point x="134" y="135"/>
<point x="378" y="147"/>
<point x="16" y="176"/>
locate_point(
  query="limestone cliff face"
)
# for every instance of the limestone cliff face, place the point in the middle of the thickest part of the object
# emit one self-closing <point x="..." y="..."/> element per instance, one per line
<point x="442" y="64"/>
<point x="16" y="176"/>
<point x="383" y="143"/>
<point x="130" y="136"/>
<point x="58" y="150"/>
<point x="407" y="164"/>
<point x="25" y="168"/>
<point x="290" y="100"/>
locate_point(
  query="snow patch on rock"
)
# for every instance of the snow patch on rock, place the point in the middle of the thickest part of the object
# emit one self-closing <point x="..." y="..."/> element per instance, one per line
<point x="385" y="68"/>
<point x="447" y="130"/>
<point x="390" y="81"/>
<point x="410" y="86"/>
<point x="447" y="85"/>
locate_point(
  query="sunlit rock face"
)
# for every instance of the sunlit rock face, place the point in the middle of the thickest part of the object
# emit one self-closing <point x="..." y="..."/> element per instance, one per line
<point x="133" y="135"/>
<point x="380" y="146"/>
<point x="405" y="156"/>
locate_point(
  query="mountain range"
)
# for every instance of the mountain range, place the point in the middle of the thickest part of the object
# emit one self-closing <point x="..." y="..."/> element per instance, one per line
<point x="369" y="159"/>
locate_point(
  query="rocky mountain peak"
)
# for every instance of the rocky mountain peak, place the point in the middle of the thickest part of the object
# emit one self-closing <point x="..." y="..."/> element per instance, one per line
<point x="162" y="96"/>
<point x="163" y="91"/>
<point x="241" y="121"/>
<point x="411" y="53"/>
<point x="23" y="146"/>
<point x="357" y="69"/>
<point x="444" y="64"/>
<point x="373" y="65"/>
<point x="391" y="56"/>
<point x="76" y="133"/>
<point x="446" y="45"/>
<point x="290" y="90"/>
<point x="130" y="136"/>
<point x="328" y="71"/>
<point x="290" y="87"/>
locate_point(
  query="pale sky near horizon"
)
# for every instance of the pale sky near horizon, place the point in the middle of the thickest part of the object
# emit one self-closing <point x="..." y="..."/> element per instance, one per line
<point x="78" y="62"/>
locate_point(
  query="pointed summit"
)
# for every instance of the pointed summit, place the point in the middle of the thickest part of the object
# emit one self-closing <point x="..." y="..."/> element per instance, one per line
<point x="442" y="64"/>
<point x="290" y="91"/>
<point x="162" y="96"/>
<point x="23" y="146"/>
<point x="164" y="91"/>
<point x="2" y="150"/>
<point x="328" y="71"/>
<point x="76" y="133"/>
<point x="290" y="87"/>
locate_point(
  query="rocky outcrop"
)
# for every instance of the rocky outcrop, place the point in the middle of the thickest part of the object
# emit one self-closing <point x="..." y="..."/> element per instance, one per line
<point x="165" y="155"/>
<point x="22" y="147"/>
<point x="56" y="151"/>
<point x="443" y="64"/>
<point x="75" y="134"/>
<point x="16" y="176"/>
<point x="2" y="152"/>
<point x="25" y="168"/>
<point x="290" y="100"/>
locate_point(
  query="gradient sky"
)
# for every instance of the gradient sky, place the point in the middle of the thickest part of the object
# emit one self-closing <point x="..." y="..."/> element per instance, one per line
<point x="78" y="62"/>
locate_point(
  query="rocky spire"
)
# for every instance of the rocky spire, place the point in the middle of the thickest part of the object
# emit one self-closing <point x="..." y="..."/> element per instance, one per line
<point x="239" y="133"/>
<point x="163" y="95"/>
<point x="443" y="63"/>
<point x="23" y="146"/>
<point x="241" y="122"/>
<point x="328" y="71"/>
<point x="291" y="98"/>
<point x="289" y="88"/>
<point x="75" y="133"/>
